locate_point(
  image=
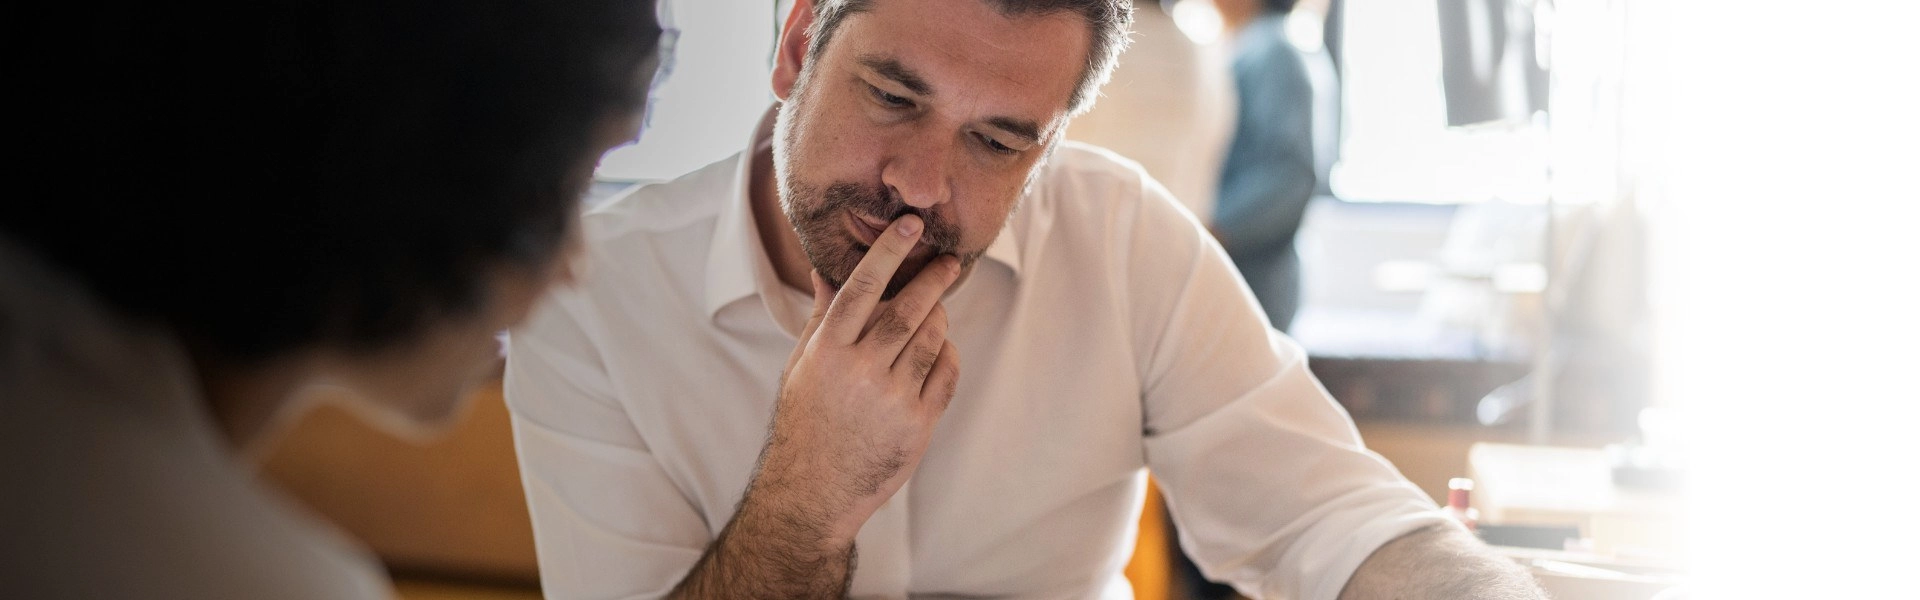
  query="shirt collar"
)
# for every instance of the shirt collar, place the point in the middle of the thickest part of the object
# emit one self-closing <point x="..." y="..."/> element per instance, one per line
<point x="737" y="263"/>
<point x="735" y="258"/>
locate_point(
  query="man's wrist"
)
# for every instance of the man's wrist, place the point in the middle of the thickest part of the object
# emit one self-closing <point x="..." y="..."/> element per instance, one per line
<point x="772" y="548"/>
<point x="807" y="515"/>
<point x="807" y="504"/>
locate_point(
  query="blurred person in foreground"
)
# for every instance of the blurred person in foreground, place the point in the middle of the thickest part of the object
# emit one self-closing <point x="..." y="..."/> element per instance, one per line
<point x="1169" y="106"/>
<point x="352" y="193"/>
<point x="909" y="343"/>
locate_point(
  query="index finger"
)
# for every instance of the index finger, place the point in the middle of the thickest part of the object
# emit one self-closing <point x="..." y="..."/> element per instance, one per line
<point x="853" y="305"/>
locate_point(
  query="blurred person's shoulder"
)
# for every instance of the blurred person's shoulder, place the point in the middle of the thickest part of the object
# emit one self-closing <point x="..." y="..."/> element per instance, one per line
<point x="1099" y="189"/>
<point x="1077" y="169"/>
<point x="1090" y="211"/>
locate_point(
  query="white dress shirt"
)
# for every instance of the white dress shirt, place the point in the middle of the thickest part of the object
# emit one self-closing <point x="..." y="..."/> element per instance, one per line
<point x="117" y="482"/>
<point x="1103" y="333"/>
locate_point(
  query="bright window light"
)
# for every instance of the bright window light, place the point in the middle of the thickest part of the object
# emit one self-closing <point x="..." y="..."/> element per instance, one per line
<point x="1199" y="20"/>
<point x="1785" y="285"/>
<point x="707" y="108"/>
<point x="1398" y="146"/>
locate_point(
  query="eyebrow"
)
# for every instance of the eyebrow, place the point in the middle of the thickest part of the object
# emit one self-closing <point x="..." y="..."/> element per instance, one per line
<point x="892" y="69"/>
<point x="1027" y="130"/>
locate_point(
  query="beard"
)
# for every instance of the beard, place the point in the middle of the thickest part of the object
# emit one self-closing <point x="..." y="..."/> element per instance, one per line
<point x="819" y="217"/>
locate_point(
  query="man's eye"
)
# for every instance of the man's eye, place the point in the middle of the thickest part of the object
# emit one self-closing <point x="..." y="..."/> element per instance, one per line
<point x="889" y="99"/>
<point x="995" y="145"/>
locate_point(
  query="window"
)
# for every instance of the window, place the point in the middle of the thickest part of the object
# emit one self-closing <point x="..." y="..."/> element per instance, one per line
<point x="1397" y="144"/>
<point x="718" y="88"/>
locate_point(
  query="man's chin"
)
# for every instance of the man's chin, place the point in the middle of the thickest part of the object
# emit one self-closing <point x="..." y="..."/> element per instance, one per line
<point x="916" y="261"/>
<point x="900" y="280"/>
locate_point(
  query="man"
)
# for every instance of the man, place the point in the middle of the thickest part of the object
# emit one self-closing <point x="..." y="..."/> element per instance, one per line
<point x="346" y="193"/>
<point x="689" y="427"/>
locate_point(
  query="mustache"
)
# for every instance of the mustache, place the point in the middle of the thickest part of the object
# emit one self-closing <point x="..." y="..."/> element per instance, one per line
<point x="939" y="234"/>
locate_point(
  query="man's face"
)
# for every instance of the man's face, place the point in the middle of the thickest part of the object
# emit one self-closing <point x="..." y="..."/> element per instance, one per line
<point x="942" y="109"/>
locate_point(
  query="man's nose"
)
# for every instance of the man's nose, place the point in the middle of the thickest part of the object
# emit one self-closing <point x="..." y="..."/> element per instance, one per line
<point x="917" y="172"/>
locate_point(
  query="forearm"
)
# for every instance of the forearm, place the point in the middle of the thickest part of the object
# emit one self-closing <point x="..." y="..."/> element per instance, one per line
<point x="855" y="414"/>
<point x="771" y="550"/>
<point x="1439" y="562"/>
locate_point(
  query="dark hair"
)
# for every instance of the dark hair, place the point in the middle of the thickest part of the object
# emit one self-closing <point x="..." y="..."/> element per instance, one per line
<point x="1110" y="22"/>
<point x="1280" y="6"/>
<point x="272" y="175"/>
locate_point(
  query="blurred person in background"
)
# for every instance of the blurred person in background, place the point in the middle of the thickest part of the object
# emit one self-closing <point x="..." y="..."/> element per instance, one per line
<point x="759" y="391"/>
<point x="1169" y="107"/>
<point x="1270" y="171"/>
<point x="353" y="193"/>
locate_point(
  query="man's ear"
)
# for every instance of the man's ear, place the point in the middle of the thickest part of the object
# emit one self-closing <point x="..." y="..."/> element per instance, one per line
<point x="791" y="54"/>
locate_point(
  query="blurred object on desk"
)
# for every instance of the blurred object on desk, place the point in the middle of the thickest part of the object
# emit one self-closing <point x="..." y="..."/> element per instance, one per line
<point x="1460" y="502"/>
<point x="1429" y="454"/>
<point x="1577" y="576"/>
<point x="1543" y="485"/>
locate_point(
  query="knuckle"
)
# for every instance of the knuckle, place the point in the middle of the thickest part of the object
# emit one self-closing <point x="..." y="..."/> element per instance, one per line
<point x="936" y="329"/>
<point x="950" y="367"/>
<point x="943" y="395"/>
<point x="864" y="282"/>
<point x="923" y="362"/>
<point x="906" y="305"/>
<point x="891" y="328"/>
<point x="839" y="312"/>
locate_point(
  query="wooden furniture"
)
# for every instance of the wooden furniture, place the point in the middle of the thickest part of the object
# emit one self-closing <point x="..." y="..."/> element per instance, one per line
<point x="449" y="507"/>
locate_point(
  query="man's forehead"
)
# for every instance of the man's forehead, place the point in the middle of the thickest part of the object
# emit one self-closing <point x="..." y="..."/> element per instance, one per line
<point x="967" y="50"/>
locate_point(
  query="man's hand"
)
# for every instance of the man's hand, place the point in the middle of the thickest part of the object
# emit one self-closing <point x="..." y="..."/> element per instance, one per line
<point x="1440" y="562"/>
<point x="864" y="388"/>
<point x="858" y="404"/>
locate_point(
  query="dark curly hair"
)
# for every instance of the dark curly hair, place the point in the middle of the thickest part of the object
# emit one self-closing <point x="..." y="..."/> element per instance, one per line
<point x="272" y="175"/>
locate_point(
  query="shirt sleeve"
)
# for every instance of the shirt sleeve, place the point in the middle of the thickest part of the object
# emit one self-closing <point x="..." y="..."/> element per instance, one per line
<point x="607" y="521"/>
<point x="1265" y="475"/>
